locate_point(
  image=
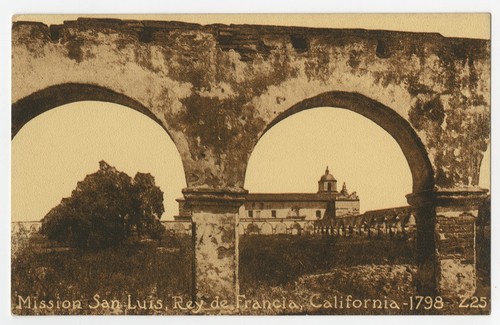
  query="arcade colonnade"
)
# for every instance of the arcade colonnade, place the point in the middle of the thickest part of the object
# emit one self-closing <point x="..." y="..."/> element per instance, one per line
<point x="217" y="89"/>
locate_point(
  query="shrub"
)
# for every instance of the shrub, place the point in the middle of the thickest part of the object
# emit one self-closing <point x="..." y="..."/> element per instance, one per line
<point x="105" y="209"/>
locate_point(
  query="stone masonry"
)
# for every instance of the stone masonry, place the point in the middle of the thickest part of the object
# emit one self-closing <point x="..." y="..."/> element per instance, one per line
<point x="217" y="89"/>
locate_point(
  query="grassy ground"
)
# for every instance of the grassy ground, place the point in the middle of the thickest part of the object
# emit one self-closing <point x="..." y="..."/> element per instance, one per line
<point x="145" y="270"/>
<point x="327" y="269"/>
<point x="271" y="268"/>
<point x="277" y="260"/>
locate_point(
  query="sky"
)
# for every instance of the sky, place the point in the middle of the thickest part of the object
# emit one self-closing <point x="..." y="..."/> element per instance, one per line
<point x="58" y="148"/>
<point x="293" y="155"/>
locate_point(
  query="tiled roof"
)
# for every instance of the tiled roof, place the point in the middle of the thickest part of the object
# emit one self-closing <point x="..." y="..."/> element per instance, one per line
<point x="319" y="197"/>
<point x="290" y="197"/>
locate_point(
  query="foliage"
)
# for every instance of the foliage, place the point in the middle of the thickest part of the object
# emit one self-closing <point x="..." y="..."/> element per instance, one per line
<point x="145" y="270"/>
<point x="19" y="240"/>
<point x="278" y="260"/>
<point x="271" y="267"/>
<point x="105" y="209"/>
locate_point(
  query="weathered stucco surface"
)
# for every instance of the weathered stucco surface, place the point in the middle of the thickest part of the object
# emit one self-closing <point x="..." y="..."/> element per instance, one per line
<point x="216" y="247"/>
<point x="217" y="88"/>
<point x="456" y="237"/>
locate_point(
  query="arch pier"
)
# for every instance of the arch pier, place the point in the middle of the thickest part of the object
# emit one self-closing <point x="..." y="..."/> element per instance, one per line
<point x="215" y="240"/>
<point x="446" y="237"/>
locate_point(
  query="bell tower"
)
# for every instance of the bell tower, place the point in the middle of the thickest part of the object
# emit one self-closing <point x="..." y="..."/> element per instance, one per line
<point x="327" y="183"/>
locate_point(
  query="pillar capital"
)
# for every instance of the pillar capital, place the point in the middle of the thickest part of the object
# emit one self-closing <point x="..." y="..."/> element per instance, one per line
<point x="448" y="197"/>
<point x="217" y="200"/>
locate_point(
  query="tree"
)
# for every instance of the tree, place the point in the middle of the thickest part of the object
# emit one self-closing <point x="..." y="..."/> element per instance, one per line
<point x="148" y="205"/>
<point x="105" y="209"/>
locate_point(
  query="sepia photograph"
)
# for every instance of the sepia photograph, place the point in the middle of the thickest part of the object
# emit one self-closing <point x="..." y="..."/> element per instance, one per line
<point x="244" y="164"/>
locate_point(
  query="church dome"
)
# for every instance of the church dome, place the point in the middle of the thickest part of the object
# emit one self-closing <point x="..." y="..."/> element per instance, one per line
<point x="327" y="176"/>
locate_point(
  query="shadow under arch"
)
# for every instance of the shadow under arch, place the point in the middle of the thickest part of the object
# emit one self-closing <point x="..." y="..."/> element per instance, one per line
<point x="385" y="117"/>
<point x="39" y="102"/>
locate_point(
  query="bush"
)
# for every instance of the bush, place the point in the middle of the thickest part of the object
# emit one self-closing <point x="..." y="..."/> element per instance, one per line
<point x="143" y="270"/>
<point x="105" y="209"/>
<point x="280" y="260"/>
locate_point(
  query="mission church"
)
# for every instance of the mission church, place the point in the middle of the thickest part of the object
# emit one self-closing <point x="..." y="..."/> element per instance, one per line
<point x="296" y="208"/>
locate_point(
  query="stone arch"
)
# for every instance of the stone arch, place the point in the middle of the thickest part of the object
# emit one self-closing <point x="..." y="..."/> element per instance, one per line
<point x="340" y="228"/>
<point x="410" y="224"/>
<point x="280" y="228"/>
<point x="35" y="228"/>
<point x="308" y="228"/>
<point x="396" y="226"/>
<point x="17" y="227"/>
<point x="39" y="102"/>
<point x="411" y="220"/>
<point x="241" y="229"/>
<point x="358" y="226"/>
<point x="400" y="129"/>
<point x="382" y="226"/>
<point x="349" y="226"/>
<point x="296" y="229"/>
<point x="372" y="228"/>
<point x="266" y="229"/>
<point x="350" y="231"/>
<point x="28" y="108"/>
<point x="252" y="229"/>
<point x="364" y="229"/>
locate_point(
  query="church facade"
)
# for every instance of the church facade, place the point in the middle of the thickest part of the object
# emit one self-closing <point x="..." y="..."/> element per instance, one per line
<point x="328" y="202"/>
<point x="291" y="213"/>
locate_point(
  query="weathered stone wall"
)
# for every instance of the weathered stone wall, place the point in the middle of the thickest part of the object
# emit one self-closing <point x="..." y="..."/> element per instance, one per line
<point x="392" y="222"/>
<point x="457" y="252"/>
<point x="216" y="89"/>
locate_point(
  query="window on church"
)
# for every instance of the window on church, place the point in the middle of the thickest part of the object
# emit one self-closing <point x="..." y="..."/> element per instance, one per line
<point x="329" y="187"/>
<point x="250" y="214"/>
<point x="262" y="206"/>
<point x="273" y="213"/>
<point x="318" y="214"/>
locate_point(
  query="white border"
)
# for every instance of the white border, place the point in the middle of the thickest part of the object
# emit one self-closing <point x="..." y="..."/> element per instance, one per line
<point x="10" y="7"/>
